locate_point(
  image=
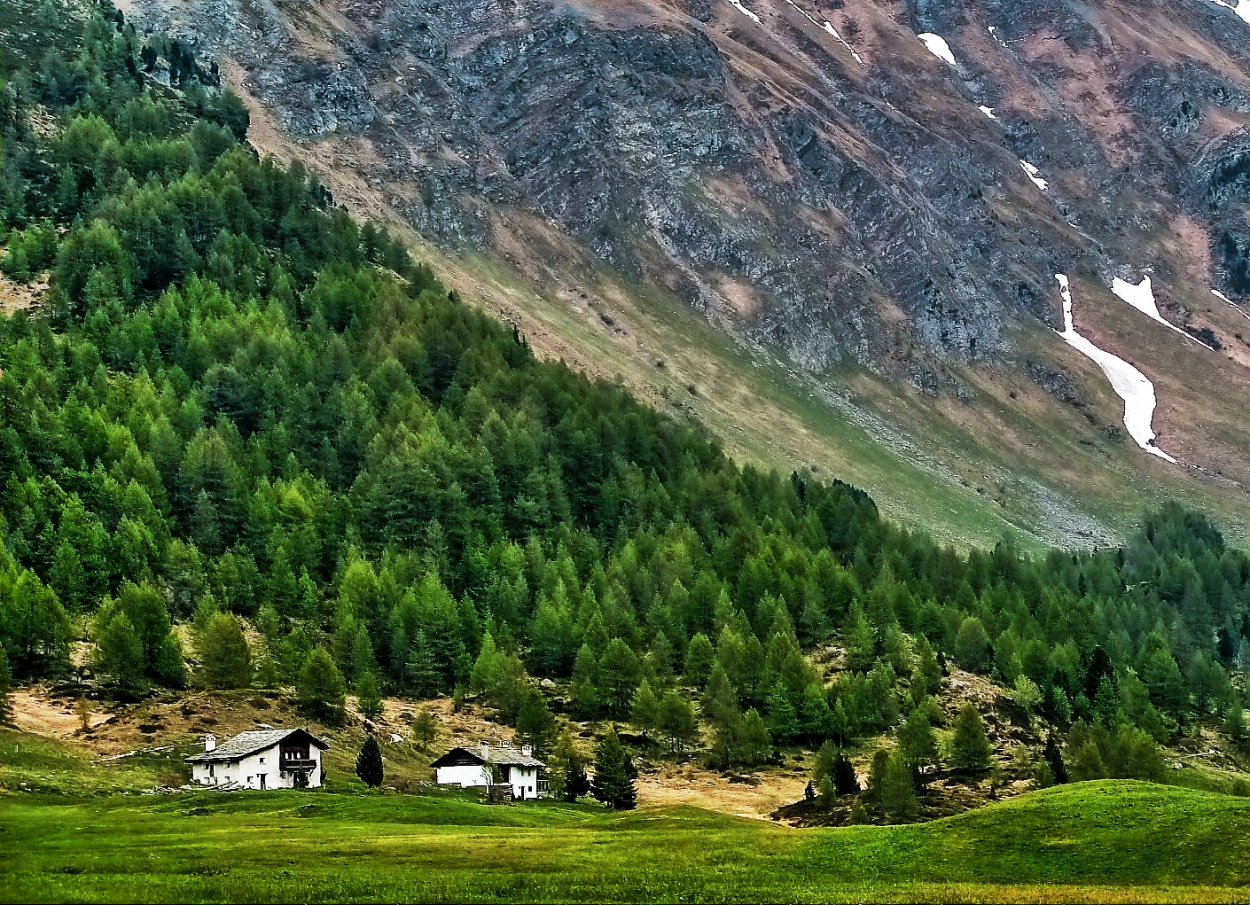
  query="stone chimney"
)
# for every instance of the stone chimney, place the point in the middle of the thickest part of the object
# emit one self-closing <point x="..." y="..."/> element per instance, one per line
<point x="210" y="743"/>
<point x="526" y="750"/>
<point x="484" y="750"/>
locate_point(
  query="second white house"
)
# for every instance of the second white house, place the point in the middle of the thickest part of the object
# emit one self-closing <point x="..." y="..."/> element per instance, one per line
<point x="487" y="765"/>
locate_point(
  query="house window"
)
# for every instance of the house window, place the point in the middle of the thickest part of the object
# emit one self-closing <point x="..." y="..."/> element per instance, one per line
<point x="262" y="760"/>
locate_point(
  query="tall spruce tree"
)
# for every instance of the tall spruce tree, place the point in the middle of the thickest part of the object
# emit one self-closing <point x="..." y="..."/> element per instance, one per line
<point x="320" y="691"/>
<point x="615" y="774"/>
<point x="369" y="765"/>
<point x="970" y="746"/>
<point x="225" y="658"/>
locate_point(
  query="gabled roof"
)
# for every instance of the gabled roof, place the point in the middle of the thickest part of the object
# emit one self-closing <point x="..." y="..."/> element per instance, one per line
<point x="511" y="757"/>
<point x="250" y="742"/>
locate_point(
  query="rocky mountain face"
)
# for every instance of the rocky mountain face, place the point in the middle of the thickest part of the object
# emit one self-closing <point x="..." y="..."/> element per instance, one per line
<point x="884" y="184"/>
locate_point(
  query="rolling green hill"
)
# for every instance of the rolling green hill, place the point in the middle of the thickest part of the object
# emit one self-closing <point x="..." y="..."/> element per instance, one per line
<point x="1104" y="841"/>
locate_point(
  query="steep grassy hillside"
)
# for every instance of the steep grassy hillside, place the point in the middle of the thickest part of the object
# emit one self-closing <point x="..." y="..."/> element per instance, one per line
<point x="1109" y="841"/>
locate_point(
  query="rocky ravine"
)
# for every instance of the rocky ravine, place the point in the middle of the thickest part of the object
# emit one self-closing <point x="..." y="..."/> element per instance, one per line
<point x="812" y="174"/>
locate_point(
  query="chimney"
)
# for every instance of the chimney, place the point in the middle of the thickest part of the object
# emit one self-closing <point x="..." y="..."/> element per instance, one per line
<point x="485" y="750"/>
<point x="526" y="750"/>
<point x="210" y="743"/>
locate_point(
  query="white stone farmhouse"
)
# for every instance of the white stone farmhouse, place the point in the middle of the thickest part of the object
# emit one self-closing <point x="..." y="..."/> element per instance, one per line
<point x="260" y="759"/>
<point x="476" y="767"/>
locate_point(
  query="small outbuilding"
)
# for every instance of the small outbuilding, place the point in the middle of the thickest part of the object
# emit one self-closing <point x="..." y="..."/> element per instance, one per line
<point x="261" y="759"/>
<point x="487" y="766"/>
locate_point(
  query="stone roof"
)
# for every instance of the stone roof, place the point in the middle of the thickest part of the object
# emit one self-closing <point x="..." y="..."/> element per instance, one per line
<point x="250" y="742"/>
<point x="497" y="754"/>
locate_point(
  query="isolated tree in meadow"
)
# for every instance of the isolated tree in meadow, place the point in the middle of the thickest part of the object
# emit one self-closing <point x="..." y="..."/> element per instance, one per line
<point x="424" y="729"/>
<point x="320" y="691"/>
<point x="970" y="746"/>
<point x="369" y="695"/>
<point x="225" y="659"/>
<point x="614" y="774"/>
<point x="369" y="763"/>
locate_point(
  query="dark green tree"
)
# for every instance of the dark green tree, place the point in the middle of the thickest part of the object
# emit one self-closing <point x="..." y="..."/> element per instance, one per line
<point x="320" y="691"/>
<point x="615" y="774"/>
<point x="369" y="763"/>
<point x="369" y="695"/>
<point x="970" y="746"/>
<point x="225" y="659"/>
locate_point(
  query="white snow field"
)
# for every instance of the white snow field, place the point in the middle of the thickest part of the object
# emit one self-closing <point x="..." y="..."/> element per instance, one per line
<point x="938" y="47"/>
<point x="1032" y="172"/>
<point x="1142" y="298"/>
<point x="737" y="4"/>
<point x="1241" y="8"/>
<point x="1130" y="384"/>
<point x="829" y="28"/>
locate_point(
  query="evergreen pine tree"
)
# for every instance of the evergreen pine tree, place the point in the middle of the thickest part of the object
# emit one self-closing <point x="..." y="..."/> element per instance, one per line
<point x="676" y="721"/>
<point x="119" y="653"/>
<point x="424" y="729"/>
<point x="369" y="695"/>
<point x="584" y="688"/>
<point x="614" y="774"/>
<point x="898" y="790"/>
<point x="566" y="770"/>
<point x="917" y="741"/>
<point x="1053" y="755"/>
<point x="845" y="780"/>
<point x="320" y="691"/>
<point x="225" y="659"/>
<point x="876" y="778"/>
<point x="369" y="763"/>
<point x="970" y="746"/>
<point x="645" y="712"/>
<point x="700" y="655"/>
<point x="535" y="725"/>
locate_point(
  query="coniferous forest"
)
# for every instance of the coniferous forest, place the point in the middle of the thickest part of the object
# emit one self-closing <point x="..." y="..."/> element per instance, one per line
<point x="235" y="402"/>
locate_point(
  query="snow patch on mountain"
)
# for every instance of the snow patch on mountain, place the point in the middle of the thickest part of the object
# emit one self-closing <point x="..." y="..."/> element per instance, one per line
<point x="1142" y="298"/>
<point x="938" y="47"/>
<point x="1241" y="8"/>
<point x="1130" y="384"/>
<point x="1231" y="303"/>
<point x="988" y="111"/>
<point x="827" y="26"/>
<point x="833" y="31"/>
<point x="737" y="4"/>
<point x="1032" y="172"/>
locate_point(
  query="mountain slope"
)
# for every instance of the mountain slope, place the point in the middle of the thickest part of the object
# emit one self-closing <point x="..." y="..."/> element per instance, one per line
<point x="835" y="194"/>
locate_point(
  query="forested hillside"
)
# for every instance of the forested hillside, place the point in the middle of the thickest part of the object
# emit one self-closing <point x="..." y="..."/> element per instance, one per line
<point x="232" y="401"/>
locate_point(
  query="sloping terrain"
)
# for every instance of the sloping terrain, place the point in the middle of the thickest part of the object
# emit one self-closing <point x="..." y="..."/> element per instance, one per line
<point x="876" y="218"/>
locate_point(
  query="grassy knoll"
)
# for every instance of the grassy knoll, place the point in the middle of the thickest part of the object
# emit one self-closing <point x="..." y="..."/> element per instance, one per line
<point x="1110" y="841"/>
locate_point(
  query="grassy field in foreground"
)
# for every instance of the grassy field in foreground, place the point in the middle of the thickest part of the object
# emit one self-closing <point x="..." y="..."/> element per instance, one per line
<point x="1110" y="841"/>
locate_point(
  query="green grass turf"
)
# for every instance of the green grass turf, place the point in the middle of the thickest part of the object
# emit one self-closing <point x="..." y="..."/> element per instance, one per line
<point x="1107" y="841"/>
